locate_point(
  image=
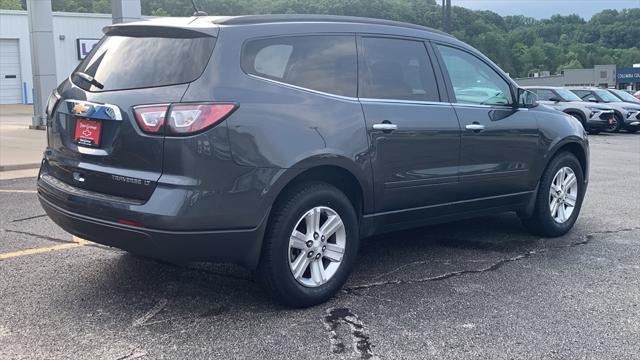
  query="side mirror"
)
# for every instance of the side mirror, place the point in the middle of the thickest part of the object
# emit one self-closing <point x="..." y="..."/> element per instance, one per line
<point x="554" y="99"/>
<point x="527" y="99"/>
<point x="591" y="99"/>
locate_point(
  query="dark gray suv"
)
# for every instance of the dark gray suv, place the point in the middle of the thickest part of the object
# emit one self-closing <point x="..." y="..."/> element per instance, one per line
<point x="278" y="142"/>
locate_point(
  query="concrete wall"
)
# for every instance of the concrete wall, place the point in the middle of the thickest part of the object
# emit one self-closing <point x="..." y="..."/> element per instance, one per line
<point x="14" y="25"/>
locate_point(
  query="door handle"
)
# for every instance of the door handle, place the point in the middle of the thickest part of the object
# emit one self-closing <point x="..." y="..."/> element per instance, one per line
<point x="385" y="126"/>
<point x="475" y="127"/>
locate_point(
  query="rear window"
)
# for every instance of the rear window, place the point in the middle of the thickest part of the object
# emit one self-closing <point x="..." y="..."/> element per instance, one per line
<point x="124" y="62"/>
<point x="398" y="70"/>
<point x="326" y="63"/>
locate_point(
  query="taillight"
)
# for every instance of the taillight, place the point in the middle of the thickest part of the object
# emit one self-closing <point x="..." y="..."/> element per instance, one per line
<point x="186" y="119"/>
<point x="151" y="117"/>
<point x="181" y="118"/>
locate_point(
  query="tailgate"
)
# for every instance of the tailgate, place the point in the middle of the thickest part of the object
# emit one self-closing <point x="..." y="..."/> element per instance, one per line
<point x="122" y="161"/>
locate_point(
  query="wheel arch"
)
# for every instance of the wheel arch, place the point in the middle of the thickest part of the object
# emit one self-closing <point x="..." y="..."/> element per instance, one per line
<point x="577" y="148"/>
<point x="579" y="112"/>
<point x="573" y="146"/>
<point x="348" y="176"/>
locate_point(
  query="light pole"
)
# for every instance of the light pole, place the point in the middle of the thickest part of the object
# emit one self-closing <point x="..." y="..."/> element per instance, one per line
<point x="126" y="11"/>
<point x="43" y="60"/>
<point x="446" y="15"/>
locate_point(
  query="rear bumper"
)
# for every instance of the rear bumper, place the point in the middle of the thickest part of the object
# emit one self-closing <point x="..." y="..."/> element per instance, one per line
<point x="241" y="246"/>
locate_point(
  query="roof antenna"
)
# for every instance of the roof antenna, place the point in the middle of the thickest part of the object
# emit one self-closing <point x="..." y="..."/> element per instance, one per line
<point x="196" y="11"/>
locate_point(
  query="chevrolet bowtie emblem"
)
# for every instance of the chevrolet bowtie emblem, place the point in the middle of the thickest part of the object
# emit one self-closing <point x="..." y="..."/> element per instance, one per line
<point x="80" y="109"/>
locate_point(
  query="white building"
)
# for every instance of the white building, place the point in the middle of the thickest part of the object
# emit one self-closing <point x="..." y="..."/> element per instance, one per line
<point x="73" y="36"/>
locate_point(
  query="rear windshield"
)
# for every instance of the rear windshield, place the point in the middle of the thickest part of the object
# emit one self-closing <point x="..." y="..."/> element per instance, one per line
<point x="124" y="62"/>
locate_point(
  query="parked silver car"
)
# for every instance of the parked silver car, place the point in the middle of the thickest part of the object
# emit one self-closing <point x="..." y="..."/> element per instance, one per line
<point x="625" y="96"/>
<point x="627" y="115"/>
<point x="593" y="117"/>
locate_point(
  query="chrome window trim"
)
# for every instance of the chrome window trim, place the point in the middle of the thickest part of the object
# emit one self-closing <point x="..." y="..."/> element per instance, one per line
<point x="394" y="101"/>
<point x="374" y="100"/>
<point x="341" y="97"/>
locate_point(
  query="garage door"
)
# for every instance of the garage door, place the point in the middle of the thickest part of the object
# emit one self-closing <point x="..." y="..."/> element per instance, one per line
<point x="10" y="79"/>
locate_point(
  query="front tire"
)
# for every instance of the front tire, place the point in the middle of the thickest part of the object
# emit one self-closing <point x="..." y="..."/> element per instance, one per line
<point x="559" y="198"/>
<point x="310" y="245"/>
<point x="617" y="125"/>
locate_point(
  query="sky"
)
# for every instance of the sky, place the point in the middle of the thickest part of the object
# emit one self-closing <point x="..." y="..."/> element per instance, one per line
<point x="543" y="9"/>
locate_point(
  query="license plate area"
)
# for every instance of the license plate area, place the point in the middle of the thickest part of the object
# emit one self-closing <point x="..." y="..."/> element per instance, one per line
<point x="87" y="132"/>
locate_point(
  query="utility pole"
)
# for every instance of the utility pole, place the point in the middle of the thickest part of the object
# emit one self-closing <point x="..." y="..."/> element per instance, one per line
<point x="446" y="15"/>
<point x="43" y="60"/>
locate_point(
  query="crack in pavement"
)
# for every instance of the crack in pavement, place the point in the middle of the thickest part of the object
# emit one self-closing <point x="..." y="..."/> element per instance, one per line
<point x="359" y="334"/>
<point x="60" y="241"/>
<point x="134" y="354"/>
<point x="43" y="237"/>
<point x="494" y="266"/>
<point x="28" y="218"/>
<point x="159" y="306"/>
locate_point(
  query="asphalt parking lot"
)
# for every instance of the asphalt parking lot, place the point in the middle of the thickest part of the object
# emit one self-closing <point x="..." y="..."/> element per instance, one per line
<point x="481" y="288"/>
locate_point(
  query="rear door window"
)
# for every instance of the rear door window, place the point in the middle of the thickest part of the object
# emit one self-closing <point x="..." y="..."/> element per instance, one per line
<point x="130" y="62"/>
<point x="397" y="69"/>
<point x="326" y="63"/>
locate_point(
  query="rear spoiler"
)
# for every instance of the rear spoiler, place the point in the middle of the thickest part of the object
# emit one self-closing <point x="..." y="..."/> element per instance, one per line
<point x="175" y="27"/>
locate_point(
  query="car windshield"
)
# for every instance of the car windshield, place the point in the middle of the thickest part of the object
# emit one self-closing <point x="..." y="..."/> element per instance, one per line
<point x="606" y="96"/>
<point x="624" y="95"/>
<point x="567" y="95"/>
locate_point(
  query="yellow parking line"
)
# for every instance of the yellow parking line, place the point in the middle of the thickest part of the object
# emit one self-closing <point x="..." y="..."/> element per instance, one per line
<point x="77" y="242"/>
<point x="18" y="191"/>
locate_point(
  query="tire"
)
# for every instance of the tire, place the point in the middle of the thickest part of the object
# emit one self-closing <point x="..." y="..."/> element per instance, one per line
<point x="275" y="270"/>
<point x="617" y="126"/>
<point x="542" y="222"/>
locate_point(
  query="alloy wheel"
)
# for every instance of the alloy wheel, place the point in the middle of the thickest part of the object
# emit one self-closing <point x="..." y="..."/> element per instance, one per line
<point x="316" y="246"/>
<point x="563" y="195"/>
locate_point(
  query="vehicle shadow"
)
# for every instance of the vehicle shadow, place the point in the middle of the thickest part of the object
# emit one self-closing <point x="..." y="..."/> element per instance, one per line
<point x="189" y="291"/>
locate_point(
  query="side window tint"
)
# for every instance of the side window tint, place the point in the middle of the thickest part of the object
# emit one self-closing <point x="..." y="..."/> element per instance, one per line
<point x="326" y="63"/>
<point x="272" y="60"/>
<point x="583" y="94"/>
<point x="473" y="81"/>
<point x="398" y="70"/>
<point x="545" y="95"/>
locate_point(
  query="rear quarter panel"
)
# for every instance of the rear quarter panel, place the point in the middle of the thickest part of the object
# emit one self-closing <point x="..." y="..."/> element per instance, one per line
<point x="280" y="129"/>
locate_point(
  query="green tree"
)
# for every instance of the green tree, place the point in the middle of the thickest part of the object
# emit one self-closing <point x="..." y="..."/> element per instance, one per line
<point x="11" y="4"/>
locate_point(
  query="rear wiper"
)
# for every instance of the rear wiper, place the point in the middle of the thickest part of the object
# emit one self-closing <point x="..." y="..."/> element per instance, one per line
<point x="90" y="79"/>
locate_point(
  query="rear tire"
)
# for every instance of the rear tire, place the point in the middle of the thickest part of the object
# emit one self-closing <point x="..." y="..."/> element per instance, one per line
<point x="559" y="198"/>
<point x="290" y="239"/>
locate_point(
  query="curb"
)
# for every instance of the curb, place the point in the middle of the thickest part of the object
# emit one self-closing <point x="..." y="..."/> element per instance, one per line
<point x="19" y="167"/>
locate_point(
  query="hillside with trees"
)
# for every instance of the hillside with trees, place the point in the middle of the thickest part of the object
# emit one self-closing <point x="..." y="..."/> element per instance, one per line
<point x="519" y="44"/>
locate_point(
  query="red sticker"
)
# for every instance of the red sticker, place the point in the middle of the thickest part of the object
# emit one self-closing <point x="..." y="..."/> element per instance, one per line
<point x="87" y="132"/>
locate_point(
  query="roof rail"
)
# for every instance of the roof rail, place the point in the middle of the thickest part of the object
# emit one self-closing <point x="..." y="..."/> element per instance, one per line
<point x="284" y="18"/>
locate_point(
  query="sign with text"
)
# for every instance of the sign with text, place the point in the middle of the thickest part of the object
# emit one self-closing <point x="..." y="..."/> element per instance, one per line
<point x="628" y="75"/>
<point x="84" y="47"/>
